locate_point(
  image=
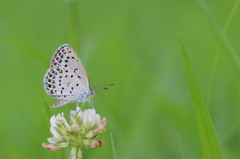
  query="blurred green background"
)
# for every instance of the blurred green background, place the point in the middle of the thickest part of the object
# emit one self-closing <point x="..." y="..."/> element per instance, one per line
<point x="134" y="44"/>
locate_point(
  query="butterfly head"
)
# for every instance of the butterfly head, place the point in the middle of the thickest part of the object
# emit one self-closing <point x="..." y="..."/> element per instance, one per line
<point x="93" y="92"/>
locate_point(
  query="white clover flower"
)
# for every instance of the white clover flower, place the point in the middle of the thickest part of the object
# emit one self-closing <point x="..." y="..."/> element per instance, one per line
<point x="90" y="118"/>
<point x="81" y="133"/>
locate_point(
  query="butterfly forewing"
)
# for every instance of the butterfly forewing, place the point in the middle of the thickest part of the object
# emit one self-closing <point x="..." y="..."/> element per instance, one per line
<point x="66" y="79"/>
<point x="66" y="57"/>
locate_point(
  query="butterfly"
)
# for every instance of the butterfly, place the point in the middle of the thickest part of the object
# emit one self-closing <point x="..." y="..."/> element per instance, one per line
<point x="66" y="79"/>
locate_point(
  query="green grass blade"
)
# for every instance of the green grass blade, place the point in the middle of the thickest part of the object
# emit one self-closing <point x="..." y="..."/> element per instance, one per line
<point x="113" y="147"/>
<point x="217" y="56"/>
<point x="210" y="145"/>
<point x="231" y="15"/>
<point x="74" y="23"/>
<point x="30" y="50"/>
<point x="230" y="52"/>
<point x="46" y="108"/>
<point x="9" y="150"/>
<point x="228" y="48"/>
<point x="48" y="114"/>
<point x="180" y="145"/>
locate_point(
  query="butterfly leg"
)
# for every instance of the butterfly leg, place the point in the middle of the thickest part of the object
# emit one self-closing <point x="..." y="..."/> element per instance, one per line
<point x="90" y="103"/>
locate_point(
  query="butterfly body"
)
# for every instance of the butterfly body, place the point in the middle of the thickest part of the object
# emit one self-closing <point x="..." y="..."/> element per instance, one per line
<point x="66" y="79"/>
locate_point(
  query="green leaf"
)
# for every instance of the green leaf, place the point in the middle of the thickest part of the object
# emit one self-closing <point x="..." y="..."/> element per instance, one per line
<point x="210" y="145"/>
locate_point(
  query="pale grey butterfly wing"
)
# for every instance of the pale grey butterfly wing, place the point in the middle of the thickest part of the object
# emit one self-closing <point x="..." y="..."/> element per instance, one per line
<point x="66" y="57"/>
<point x="66" y="79"/>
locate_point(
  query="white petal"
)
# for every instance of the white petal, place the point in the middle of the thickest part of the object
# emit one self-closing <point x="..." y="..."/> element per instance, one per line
<point x="92" y="111"/>
<point x="64" y="144"/>
<point x="52" y="140"/>
<point x="66" y="125"/>
<point x="90" y="134"/>
<point x="51" y="147"/>
<point x="79" y="116"/>
<point x="73" y="113"/>
<point x="53" y="121"/>
<point x="58" y="116"/>
<point x="55" y="133"/>
<point x="90" y="118"/>
<point x="73" y="153"/>
<point x="79" y="153"/>
<point x="85" y="118"/>
<point x="78" y="109"/>
<point x="75" y="128"/>
<point x="97" y="119"/>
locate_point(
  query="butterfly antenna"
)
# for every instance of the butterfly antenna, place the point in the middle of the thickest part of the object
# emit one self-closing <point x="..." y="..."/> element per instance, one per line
<point x="104" y="86"/>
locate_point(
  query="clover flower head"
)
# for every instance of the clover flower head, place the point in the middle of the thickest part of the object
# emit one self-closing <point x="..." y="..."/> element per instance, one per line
<point x="84" y="128"/>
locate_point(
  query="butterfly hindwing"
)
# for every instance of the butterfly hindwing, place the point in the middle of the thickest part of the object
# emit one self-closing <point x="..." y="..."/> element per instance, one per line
<point x="60" y="103"/>
<point x="62" y="83"/>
